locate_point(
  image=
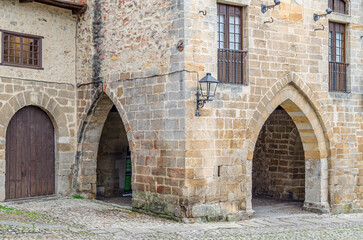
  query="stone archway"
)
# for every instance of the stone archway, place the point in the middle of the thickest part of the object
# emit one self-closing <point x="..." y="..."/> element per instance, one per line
<point x="89" y="142"/>
<point x="314" y="140"/>
<point x="63" y="145"/>
<point x="114" y="159"/>
<point x="278" y="165"/>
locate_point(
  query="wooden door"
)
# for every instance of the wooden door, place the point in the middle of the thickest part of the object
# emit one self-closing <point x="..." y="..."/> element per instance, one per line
<point x="29" y="155"/>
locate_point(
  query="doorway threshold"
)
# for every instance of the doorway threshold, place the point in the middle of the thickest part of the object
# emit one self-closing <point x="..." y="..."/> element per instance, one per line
<point x="275" y="208"/>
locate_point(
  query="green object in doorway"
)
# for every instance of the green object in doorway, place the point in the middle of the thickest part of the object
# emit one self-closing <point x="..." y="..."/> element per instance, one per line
<point x="128" y="183"/>
<point x="128" y="165"/>
<point x="128" y="174"/>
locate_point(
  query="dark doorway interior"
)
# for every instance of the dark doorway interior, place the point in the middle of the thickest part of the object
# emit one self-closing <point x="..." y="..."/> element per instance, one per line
<point x="114" y="161"/>
<point x="278" y="168"/>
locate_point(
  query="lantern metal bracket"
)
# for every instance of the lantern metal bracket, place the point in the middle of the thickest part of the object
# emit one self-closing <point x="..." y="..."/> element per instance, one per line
<point x="318" y="16"/>
<point x="200" y="103"/>
<point x="265" y="8"/>
<point x="269" y="21"/>
<point x="319" y="29"/>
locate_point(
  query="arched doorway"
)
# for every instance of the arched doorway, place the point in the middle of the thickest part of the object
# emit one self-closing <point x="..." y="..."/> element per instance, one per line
<point x="312" y="131"/>
<point x="114" y="160"/>
<point x="278" y="165"/>
<point x="104" y="158"/>
<point x="30" y="159"/>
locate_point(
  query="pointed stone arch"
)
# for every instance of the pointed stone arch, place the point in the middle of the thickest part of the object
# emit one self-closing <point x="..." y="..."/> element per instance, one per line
<point x="309" y="116"/>
<point x="303" y="89"/>
<point x="85" y="177"/>
<point x="63" y="143"/>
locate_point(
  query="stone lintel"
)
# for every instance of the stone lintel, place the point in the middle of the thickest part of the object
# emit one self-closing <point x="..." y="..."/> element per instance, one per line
<point x="236" y="2"/>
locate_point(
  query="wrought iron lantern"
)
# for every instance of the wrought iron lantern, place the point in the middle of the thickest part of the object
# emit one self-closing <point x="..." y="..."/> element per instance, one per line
<point x="317" y="16"/>
<point x="206" y="91"/>
<point x="265" y="8"/>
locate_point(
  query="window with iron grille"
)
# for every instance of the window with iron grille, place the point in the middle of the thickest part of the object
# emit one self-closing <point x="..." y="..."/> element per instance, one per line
<point x="337" y="64"/>
<point x="21" y="50"/>
<point x="231" y="57"/>
<point x="339" y="6"/>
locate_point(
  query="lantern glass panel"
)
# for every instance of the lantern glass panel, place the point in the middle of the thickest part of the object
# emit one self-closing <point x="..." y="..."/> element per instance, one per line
<point x="204" y="89"/>
<point x="213" y="88"/>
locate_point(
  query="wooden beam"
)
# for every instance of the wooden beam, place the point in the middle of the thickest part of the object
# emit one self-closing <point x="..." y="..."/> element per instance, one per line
<point x="77" y="8"/>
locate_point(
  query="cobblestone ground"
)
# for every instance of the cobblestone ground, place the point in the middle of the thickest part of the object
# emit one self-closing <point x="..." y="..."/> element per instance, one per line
<point x="92" y="219"/>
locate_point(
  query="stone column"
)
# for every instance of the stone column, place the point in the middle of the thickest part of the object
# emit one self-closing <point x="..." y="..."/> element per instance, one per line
<point x="316" y="185"/>
<point x="2" y="169"/>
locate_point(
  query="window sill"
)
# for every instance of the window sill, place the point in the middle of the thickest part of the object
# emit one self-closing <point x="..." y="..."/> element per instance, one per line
<point x="233" y="84"/>
<point x="340" y="94"/>
<point x="339" y="91"/>
<point x="340" y="18"/>
<point x="235" y="2"/>
<point x="21" y="66"/>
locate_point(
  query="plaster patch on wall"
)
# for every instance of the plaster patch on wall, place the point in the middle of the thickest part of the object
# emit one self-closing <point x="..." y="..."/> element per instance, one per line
<point x="63" y="140"/>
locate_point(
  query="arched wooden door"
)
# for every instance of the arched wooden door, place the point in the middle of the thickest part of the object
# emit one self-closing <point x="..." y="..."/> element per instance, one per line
<point x="29" y="155"/>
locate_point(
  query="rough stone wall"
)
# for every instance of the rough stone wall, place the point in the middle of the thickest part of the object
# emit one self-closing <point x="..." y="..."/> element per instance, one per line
<point x="187" y="152"/>
<point x="57" y="100"/>
<point x="77" y="1"/>
<point x="190" y="166"/>
<point x="287" y="50"/>
<point x="52" y="89"/>
<point x="57" y="26"/>
<point x="136" y="59"/>
<point x="86" y="50"/>
<point x="111" y="159"/>
<point x="346" y="114"/>
<point x="278" y="167"/>
<point x="125" y="40"/>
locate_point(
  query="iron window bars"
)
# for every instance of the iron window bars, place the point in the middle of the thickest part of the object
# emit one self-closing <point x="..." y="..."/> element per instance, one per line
<point x="337" y="65"/>
<point x="231" y="57"/>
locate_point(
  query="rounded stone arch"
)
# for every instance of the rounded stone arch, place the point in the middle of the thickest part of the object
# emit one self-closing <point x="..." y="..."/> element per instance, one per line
<point x="313" y="134"/>
<point x="37" y="99"/>
<point x="90" y="131"/>
<point x="62" y="137"/>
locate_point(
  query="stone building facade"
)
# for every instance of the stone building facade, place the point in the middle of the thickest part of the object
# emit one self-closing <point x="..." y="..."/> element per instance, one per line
<point x="125" y="54"/>
<point x="51" y="87"/>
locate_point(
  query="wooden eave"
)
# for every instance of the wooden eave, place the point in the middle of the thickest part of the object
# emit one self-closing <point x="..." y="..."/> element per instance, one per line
<point x="77" y="8"/>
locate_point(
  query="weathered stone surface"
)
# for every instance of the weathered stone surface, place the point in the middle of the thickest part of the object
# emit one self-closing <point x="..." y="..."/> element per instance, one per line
<point x="52" y="89"/>
<point x="125" y="52"/>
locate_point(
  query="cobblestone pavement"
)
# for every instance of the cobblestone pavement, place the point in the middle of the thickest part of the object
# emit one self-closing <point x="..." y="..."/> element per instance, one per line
<point x="91" y="219"/>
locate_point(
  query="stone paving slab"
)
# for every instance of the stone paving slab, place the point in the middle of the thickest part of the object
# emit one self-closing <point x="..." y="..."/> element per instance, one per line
<point x="88" y="219"/>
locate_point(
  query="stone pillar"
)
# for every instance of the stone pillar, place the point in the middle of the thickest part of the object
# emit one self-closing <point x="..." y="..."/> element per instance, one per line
<point x="249" y="209"/>
<point x="2" y="169"/>
<point x="316" y="185"/>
